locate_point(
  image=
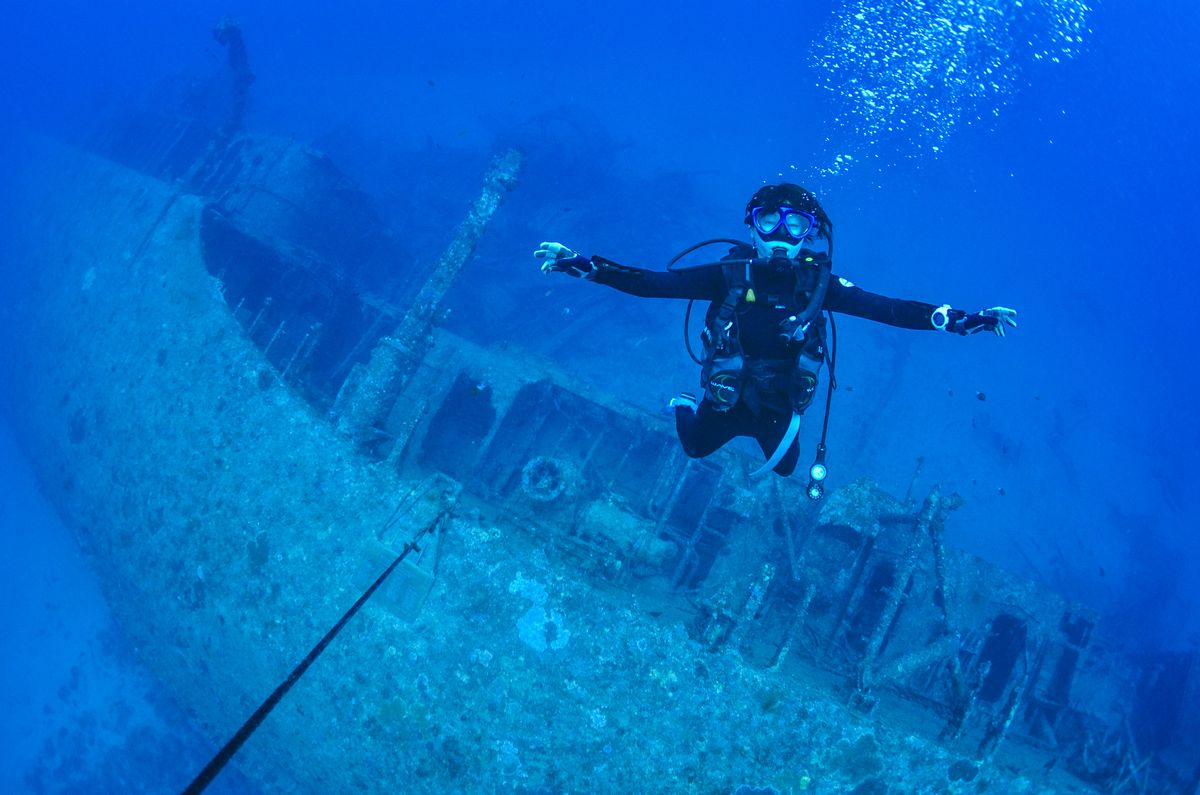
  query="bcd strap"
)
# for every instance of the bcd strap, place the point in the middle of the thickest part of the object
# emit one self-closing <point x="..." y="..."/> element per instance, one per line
<point x="721" y="333"/>
<point x="724" y="369"/>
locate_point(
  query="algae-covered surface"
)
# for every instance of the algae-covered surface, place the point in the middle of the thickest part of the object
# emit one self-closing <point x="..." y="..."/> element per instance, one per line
<point x="232" y="525"/>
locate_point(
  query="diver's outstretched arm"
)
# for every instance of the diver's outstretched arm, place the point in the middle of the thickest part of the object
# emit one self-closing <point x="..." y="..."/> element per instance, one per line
<point x="846" y="297"/>
<point x="698" y="283"/>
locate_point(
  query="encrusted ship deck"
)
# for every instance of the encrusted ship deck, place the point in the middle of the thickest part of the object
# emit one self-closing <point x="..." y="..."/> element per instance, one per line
<point x="221" y="395"/>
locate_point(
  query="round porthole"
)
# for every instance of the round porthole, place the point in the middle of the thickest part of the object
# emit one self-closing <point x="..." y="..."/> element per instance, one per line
<point x="544" y="479"/>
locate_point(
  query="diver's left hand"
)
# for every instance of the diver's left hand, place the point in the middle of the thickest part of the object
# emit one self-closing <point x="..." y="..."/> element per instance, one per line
<point x="994" y="320"/>
<point x="557" y="258"/>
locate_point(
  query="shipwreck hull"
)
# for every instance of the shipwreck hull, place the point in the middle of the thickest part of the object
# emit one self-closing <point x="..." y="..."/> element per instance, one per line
<point x="202" y="489"/>
<point x="232" y="525"/>
<point x="595" y="612"/>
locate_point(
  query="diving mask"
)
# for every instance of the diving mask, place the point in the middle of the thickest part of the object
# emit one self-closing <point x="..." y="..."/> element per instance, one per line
<point x="781" y="230"/>
<point x="769" y="220"/>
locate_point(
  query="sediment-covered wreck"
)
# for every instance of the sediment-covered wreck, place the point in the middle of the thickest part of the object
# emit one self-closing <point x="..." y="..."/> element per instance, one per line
<point x="244" y="422"/>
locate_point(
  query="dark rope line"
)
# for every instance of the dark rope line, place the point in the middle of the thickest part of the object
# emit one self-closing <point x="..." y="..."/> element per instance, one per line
<point x="218" y="762"/>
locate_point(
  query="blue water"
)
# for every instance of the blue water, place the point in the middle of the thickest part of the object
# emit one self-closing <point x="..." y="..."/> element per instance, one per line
<point x="1069" y="193"/>
<point x="80" y="714"/>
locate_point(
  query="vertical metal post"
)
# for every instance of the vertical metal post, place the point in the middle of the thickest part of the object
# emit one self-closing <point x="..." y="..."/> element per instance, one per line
<point x="363" y="409"/>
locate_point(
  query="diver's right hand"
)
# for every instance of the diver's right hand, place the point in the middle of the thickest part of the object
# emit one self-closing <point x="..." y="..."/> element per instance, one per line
<point x="558" y="258"/>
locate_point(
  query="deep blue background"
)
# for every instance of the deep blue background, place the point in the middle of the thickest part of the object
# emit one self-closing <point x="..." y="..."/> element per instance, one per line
<point x="645" y="130"/>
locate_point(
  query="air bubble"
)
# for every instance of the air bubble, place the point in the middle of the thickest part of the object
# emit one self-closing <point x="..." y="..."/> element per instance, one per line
<point x="920" y="68"/>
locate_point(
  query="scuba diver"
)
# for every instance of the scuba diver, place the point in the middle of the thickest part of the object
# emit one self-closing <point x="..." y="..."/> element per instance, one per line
<point x="765" y="338"/>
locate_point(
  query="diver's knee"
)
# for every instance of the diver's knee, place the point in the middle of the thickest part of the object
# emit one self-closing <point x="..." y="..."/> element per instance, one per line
<point x="785" y="468"/>
<point x="694" y="444"/>
<point x="692" y="450"/>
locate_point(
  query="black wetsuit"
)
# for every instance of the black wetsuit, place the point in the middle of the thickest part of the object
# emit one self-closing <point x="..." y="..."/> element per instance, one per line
<point x="765" y="408"/>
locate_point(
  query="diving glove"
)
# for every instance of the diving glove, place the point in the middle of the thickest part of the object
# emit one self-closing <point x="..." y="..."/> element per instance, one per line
<point x="558" y="258"/>
<point x="958" y="322"/>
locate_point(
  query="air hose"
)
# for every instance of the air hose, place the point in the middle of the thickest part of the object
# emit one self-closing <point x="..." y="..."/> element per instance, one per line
<point x="817" y="472"/>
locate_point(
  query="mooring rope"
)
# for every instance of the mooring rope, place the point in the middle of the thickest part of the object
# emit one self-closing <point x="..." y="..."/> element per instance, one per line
<point x="218" y="762"/>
